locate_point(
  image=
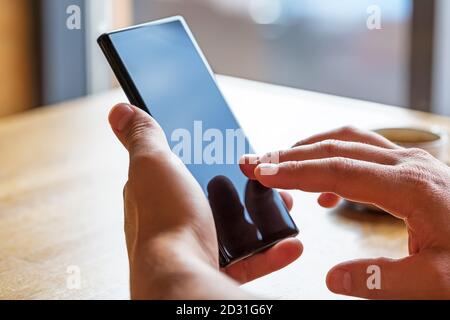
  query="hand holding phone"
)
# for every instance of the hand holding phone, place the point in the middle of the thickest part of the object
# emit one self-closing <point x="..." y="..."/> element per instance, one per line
<point x="169" y="226"/>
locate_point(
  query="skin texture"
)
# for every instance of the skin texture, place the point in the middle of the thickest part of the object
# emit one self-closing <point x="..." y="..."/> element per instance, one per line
<point x="408" y="183"/>
<point x="169" y="228"/>
<point x="170" y="233"/>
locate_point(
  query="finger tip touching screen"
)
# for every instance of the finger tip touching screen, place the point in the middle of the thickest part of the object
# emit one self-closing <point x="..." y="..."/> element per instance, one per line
<point x="162" y="70"/>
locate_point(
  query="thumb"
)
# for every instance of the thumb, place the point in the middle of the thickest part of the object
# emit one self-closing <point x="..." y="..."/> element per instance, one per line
<point x="137" y="131"/>
<point x="415" y="277"/>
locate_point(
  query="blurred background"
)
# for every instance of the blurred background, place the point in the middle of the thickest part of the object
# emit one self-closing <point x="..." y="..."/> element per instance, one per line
<point x="320" y="45"/>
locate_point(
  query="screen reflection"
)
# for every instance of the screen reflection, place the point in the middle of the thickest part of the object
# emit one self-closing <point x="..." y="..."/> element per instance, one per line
<point x="252" y="223"/>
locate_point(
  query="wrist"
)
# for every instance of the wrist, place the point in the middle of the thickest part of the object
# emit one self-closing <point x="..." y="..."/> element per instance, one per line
<point x="160" y="267"/>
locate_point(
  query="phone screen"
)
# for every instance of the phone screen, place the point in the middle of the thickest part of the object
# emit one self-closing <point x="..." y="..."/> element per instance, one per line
<point x="178" y="89"/>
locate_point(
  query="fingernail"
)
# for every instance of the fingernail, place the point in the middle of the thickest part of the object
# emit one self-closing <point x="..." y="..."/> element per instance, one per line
<point x="120" y="116"/>
<point x="250" y="159"/>
<point x="340" y="281"/>
<point x="268" y="169"/>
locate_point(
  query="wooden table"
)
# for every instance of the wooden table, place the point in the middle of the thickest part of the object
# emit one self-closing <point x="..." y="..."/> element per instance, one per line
<point x="62" y="173"/>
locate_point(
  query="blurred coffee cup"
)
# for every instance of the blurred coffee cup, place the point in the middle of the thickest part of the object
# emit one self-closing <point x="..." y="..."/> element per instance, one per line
<point x="433" y="140"/>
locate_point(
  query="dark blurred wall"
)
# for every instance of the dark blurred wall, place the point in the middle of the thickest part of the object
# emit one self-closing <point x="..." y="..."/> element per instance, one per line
<point x="63" y="52"/>
<point x="18" y="51"/>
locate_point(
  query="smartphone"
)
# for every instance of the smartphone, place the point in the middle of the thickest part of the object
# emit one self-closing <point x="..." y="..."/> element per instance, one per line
<point x="163" y="71"/>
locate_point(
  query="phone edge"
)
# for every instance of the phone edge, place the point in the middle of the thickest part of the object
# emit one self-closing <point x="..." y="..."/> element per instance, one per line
<point x="120" y="72"/>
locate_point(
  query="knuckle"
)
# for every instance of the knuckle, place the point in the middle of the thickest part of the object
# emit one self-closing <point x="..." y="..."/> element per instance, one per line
<point x="391" y="155"/>
<point x="415" y="176"/>
<point x="416" y="153"/>
<point x="292" y="168"/>
<point x="341" y="165"/>
<point x="274" y="157"/>
<point x="138" y="130"/>
<point x="296" y="166"/>
<point x="348" y="130"/>
<point x="330" y="147"/>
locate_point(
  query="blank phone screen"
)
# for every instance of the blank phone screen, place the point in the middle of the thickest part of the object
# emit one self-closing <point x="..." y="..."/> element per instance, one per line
<point x="179" y="91"/>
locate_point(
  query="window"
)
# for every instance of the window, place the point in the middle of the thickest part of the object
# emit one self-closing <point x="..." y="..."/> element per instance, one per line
<point x="441" y="77"/>
<point x="319" y="45"/>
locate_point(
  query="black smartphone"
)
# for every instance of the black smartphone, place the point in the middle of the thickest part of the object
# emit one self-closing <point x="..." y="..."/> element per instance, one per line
<point x="163" y="71"/>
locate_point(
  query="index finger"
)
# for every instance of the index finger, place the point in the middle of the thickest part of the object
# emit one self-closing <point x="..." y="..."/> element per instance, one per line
<point x="355" y="180"/>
